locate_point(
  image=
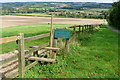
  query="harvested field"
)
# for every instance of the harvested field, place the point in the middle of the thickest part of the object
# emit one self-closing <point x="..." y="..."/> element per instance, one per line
<point x="9" y="20"/>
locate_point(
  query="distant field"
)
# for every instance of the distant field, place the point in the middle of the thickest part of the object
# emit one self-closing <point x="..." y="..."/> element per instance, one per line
<point x="32" y="14"/>
<point x="10" y="20"/>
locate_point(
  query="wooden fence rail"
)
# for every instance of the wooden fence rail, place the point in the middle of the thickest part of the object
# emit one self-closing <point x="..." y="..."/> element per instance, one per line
<point x="17" y="60"/>
<point x="14" y="38"/>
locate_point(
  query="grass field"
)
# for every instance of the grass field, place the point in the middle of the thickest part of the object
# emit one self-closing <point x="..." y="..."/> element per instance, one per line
<point x="32" y="14"/>
<point x="92" y="55"/>
<point x="29" y="31"/>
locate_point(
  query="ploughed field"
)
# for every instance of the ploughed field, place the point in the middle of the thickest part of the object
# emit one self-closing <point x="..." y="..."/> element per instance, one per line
<point x="9" y="20"/>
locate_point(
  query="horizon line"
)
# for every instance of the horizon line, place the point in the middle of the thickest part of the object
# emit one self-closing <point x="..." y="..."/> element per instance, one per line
<point x="56" y="1"/>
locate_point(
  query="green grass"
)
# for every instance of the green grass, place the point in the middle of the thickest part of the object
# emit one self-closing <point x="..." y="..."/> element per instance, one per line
<point x="32" y="14"/>
<point x="91" y="56"/>
<point x="29" y="31"/>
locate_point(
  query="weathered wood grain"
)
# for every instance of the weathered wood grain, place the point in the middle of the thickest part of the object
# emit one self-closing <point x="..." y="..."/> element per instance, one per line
<point x="36" y="49"/>
<point x="41" y="59"/>
<point x="37" y="37"/>
<point x="51" y="48"/>
<point x="7" y="39"/>
<point x="30" y="65"/>
<point x="21" y="55"/>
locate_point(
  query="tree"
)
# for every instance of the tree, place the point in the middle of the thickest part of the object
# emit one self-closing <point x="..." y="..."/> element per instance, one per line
<point x="114" y="15"/>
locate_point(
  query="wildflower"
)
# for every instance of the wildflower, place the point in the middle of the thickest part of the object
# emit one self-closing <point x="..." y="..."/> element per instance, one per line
<point x="63" y="68"/>
<point x="63" y="72"/>
<point x="58" y="74"/>
<point x="96" y="71"/>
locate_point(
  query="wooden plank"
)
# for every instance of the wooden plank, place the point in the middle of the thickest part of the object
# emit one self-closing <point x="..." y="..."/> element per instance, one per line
<point x="37" y="37"/>
<point x="7" y="39"/>
<point x="51" y="48"/>
<point x="9" y="68"/>
<point x="36" y="49"/>
<point x="30" y="65"/>
<point x="14" y="38"/>
<point x="8" y="59"/>
<point x="21" y="55"/>
<point x="41" y="59"/>
<point x="11" y="74"/>
<point x="33" y="46"/>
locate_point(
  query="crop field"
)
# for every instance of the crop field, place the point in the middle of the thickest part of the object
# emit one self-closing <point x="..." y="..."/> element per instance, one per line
<point x="29" y="20"/>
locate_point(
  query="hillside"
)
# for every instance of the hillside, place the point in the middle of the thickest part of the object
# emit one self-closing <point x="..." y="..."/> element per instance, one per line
<point x="62" y="5"/>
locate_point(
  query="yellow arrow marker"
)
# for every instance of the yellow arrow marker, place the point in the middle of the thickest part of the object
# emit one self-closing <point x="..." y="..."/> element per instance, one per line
<point x="18" y="37"/>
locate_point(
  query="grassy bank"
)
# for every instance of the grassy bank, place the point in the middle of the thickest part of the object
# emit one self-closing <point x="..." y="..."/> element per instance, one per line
<point x="29" y="31"/>
<point x="91" y="56"/>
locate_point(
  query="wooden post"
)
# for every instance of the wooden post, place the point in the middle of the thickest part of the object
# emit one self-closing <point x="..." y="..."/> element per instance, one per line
<point x="85" y="28"/>
<point x="21" y="55"/>
<point x="91" y="28"/>
<point x="74" y="29"/>
<point x="51" y="34"/>
<point x="54" y="42"/>
<point x="67" y="45"/>
<point x="79" y="28"/>
<point x="82" y="28"/>
<point x="88" y="27"/>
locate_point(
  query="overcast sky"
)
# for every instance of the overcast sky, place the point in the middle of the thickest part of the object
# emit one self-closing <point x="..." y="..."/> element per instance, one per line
<point x="100" y="1"/>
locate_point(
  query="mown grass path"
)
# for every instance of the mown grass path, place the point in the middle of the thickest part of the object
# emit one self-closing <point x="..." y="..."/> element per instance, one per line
<point x="93" y="55"/>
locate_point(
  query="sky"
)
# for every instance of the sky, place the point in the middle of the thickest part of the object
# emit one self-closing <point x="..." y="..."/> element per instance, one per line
<point x="99" y="1"/>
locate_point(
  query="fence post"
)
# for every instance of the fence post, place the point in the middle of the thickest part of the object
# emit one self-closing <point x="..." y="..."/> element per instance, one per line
<point x="67" y="45"/>
<point x="85" y="28"/>
<point x="82" y="28"/>
<point x="79" y="28"/>
<point x="21" y="55"/>
<point x="55" y="42"/>
<point x="74" y="29"/>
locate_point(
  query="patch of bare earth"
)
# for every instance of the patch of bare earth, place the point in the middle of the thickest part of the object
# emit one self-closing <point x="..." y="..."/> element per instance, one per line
<point x="9" y="21"/>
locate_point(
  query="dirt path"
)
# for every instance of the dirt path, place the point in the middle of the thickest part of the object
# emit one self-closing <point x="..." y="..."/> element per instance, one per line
<point x="115" y="30"/>
<point x="9" y="20"/>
